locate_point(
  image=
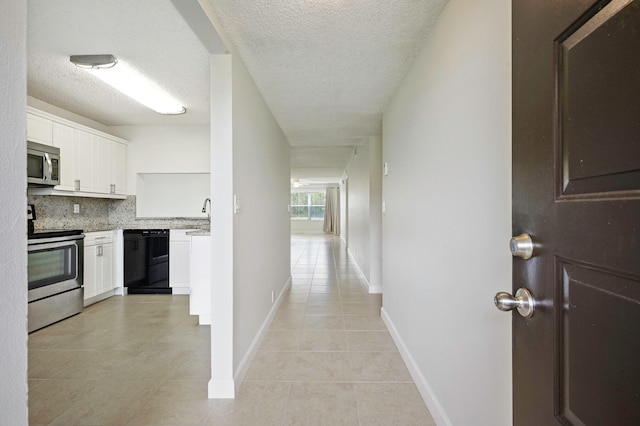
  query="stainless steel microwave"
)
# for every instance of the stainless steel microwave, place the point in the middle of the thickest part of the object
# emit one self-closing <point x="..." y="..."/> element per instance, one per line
<point x="43" y="165"/>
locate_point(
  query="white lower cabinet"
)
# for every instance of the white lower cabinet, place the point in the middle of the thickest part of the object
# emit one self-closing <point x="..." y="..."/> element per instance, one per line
<point x="99" y="265"/>
<point x="200" y="261"/>
<point x="179" y="253"/>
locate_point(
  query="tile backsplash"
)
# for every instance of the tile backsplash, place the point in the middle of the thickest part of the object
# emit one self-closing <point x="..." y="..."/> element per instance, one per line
<point x="100" y="214"/>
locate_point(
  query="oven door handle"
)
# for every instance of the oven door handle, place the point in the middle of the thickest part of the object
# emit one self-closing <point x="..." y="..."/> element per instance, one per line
<point x="52" y="244"/>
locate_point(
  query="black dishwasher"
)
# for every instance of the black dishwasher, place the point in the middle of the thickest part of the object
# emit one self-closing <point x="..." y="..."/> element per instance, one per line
<point x="146" y="261"/>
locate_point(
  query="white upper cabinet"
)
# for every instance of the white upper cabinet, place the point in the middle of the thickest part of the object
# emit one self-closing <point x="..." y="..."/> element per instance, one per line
<point x="85" y="145"/>
<point x="92" y="163"/>
<point x="64" y="139"/>
<point x="39" y="129"/>
<point x="118" y="168"/>
<point x="101" y="174"/>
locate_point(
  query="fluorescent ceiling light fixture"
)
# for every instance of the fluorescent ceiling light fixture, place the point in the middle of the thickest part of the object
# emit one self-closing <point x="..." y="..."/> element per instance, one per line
<point x="94" y="61"/>
<point x="130" y="82"/>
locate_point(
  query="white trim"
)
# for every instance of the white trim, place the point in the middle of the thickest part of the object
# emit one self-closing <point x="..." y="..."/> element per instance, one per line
<point x="221" y="280"/>
<point x="372" y="289"/>
<point x="358" y="268"/>
<point x="375" y="289"/>
<point x="99" y="297"/>
<point x="428" y="395"/>
<point x="221" y="389"/>
<point x="245" y="363"/>
<point x="65" y="193"/>
<point x="180" y="290"/>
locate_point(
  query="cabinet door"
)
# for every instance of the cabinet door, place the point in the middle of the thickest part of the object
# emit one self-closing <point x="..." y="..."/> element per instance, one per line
<point x="200" y="277"/>
<point x="179" y="263"/>
<point x="63" y="138"/>
<point x="118" y="167"/>
<point x="102" y="169"/>
<point x="108" y="282"/>
<point x="90" y="271"/>
<point x="85" y="154"/>
<point x="39" y="129"/>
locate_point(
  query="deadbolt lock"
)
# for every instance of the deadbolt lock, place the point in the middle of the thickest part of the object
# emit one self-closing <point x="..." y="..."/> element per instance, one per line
<point x="522" y="246"/>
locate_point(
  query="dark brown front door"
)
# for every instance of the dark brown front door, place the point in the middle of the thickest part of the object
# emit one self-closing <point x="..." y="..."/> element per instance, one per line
<point x="576" y="191"/>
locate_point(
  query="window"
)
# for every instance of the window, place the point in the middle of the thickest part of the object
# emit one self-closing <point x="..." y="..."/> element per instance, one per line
<point x="307" y="205"/>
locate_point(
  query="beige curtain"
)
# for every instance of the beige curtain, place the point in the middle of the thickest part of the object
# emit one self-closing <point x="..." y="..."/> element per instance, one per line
<point x="332" y="211"/>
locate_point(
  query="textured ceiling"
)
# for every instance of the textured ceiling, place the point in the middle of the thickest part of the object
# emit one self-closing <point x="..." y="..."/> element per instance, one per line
<point x="150" y="35"/>
<point x="326" y="68"/>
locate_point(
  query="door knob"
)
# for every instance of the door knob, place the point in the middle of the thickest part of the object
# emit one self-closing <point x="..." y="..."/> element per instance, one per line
<point x="522" y="246"/>
<point x="523" y="302"/>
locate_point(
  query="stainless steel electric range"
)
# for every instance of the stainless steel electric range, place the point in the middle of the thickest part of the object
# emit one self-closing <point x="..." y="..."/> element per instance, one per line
<point x="55" y="270"/>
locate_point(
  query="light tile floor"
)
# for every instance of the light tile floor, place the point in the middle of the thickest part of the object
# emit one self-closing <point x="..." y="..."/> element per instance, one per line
<point x="327" y="359"/>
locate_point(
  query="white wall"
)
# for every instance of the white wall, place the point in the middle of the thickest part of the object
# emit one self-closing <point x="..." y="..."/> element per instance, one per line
<point x="250" y="157"/>
<point x="261" y="241"/>
<point x="344" y="209"/>
<point x="358" y="208"/>
<point x="307" y="226"/>
<point x="364" y="214"/>
<point x="222" y="383"/>
<point x="375" y="214"/>
<point x="13" y="251"/>
<point x="447" y="221"/>
<point x="164" y="149"/>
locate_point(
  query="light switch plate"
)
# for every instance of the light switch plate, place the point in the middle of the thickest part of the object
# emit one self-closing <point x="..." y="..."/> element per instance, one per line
<point x="76" y="208"/>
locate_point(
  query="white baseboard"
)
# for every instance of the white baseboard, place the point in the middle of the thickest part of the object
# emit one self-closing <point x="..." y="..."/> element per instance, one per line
<point x="245" y="363"/>
<point x="303" y="233"/>
<point x="359" y="269"/>
<point x="99" y="297"/>
<point x="428" y="395"/>
<point x="221" y="389"/>
<point x="375" y="289"/>
<point x="204" y="319"/>
<point x="180" y="290"/>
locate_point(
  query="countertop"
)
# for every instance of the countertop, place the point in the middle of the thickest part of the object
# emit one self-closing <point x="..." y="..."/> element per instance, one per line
<point x="191" y="229"/>
<point x="199" y="233"/>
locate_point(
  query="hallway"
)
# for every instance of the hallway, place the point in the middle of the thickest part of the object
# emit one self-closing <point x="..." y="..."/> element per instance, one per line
<point x="326" y="359"/>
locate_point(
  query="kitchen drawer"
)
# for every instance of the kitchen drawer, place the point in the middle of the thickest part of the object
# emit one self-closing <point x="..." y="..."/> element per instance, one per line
<point x="99" y="237"/>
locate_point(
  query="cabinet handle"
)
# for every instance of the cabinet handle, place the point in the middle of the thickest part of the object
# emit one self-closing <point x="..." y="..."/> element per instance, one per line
<point x="77" y="184"/>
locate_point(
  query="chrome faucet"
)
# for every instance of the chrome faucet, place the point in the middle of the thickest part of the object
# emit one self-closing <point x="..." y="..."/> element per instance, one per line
<point x="204" y="208"/>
